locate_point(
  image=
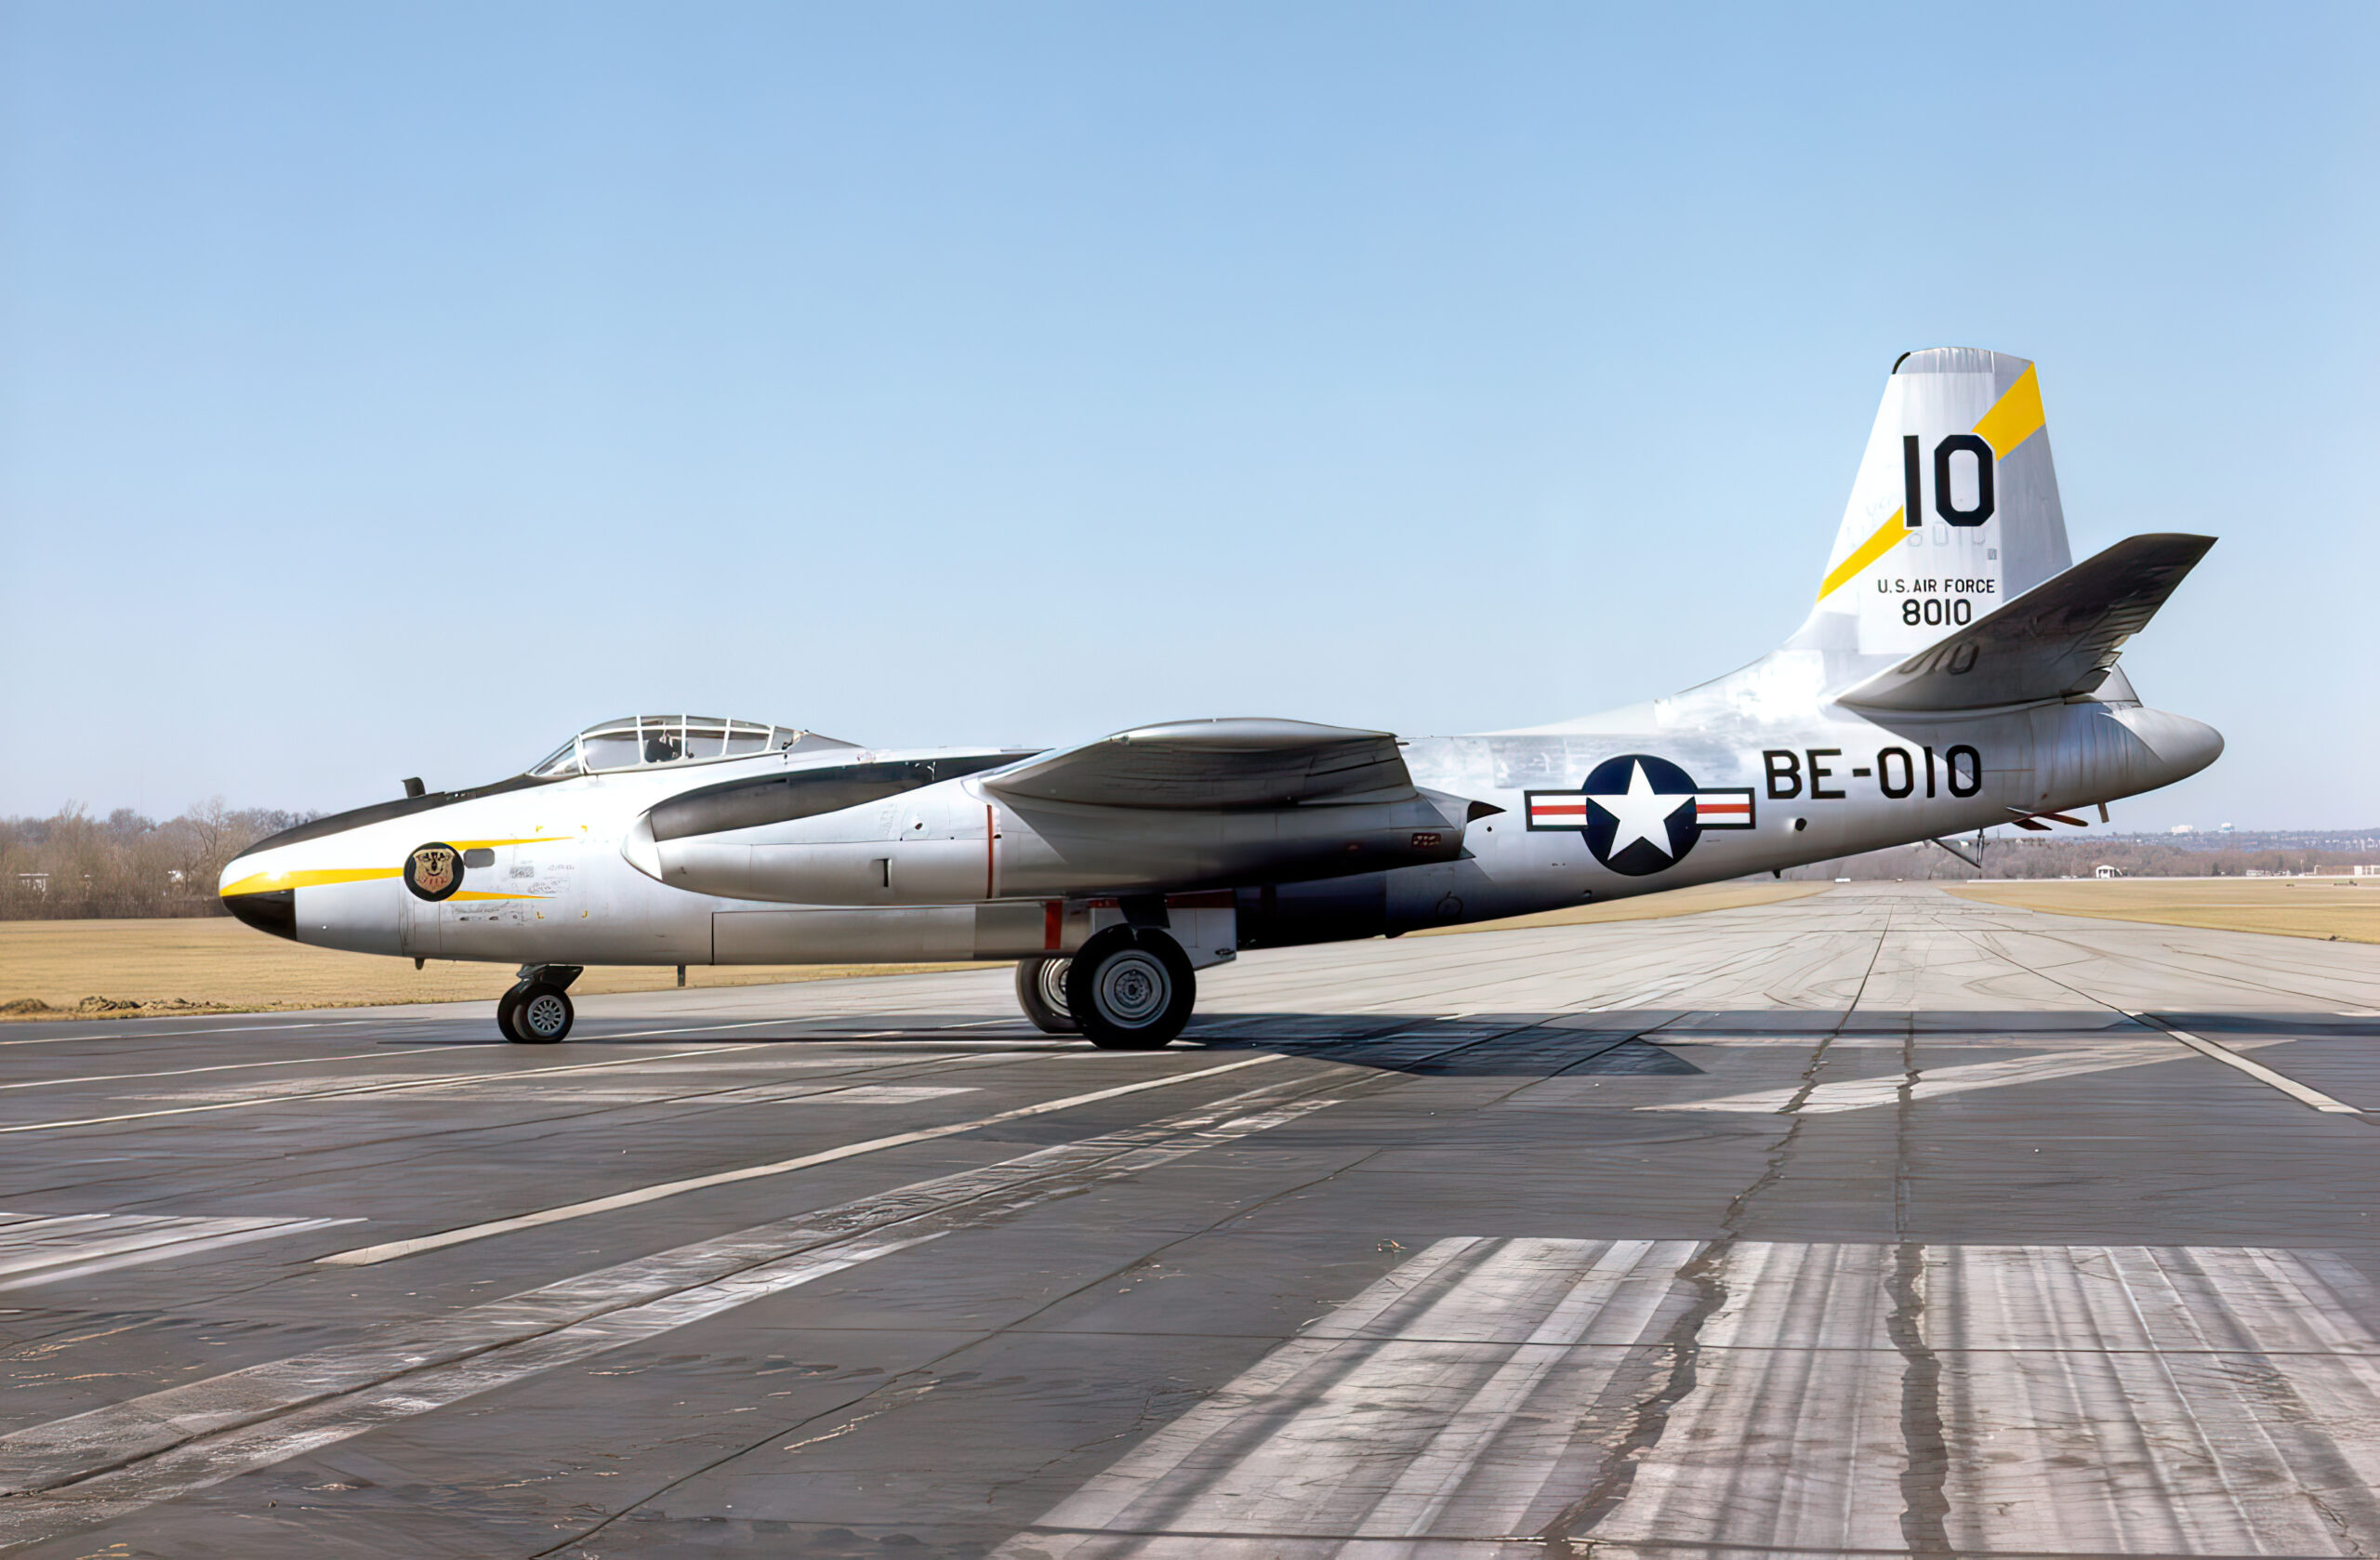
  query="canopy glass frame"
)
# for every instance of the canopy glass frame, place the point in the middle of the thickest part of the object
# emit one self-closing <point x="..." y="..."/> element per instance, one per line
<point x="653" y="741"/>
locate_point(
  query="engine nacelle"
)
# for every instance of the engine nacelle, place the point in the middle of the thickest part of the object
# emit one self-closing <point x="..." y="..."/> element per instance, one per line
<point x="949" y="843"/>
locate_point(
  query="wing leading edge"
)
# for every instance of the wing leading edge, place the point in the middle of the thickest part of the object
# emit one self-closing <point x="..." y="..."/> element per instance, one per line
<point x="1218" y="764"/>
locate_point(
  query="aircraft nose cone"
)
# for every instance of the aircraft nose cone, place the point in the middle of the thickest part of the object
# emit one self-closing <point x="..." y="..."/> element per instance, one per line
<point x="267" y="910"/>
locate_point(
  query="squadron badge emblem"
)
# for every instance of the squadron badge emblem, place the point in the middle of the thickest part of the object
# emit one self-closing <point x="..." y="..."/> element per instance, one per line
<point x="1640" y="814"/>
<point x="434" y="872"/>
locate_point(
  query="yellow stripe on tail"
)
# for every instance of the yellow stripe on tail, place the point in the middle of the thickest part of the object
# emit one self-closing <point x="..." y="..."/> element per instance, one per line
<point x="1887" y="536"/>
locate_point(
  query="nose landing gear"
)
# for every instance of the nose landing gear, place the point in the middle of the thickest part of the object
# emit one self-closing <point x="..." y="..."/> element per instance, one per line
<point x="537" y="1010"/>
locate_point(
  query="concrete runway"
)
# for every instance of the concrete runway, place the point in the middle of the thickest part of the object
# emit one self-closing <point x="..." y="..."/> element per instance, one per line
<point x="1874" y="1221"/>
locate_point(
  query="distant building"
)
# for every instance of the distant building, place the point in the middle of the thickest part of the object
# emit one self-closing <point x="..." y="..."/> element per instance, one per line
<point x="2104" y="870"/>
<point x="2182" y="828"/>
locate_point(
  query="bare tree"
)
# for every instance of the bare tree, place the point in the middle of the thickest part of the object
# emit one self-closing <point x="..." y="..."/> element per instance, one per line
<point x="215" y="838"/>
<point x="69" y="864"/>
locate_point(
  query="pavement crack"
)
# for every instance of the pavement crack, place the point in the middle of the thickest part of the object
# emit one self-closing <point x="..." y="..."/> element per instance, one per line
<point x="1925" y="1506"/>
<point x="1648" y="1418"/>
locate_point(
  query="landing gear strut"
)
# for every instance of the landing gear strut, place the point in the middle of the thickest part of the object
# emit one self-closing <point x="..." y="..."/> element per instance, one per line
<point x="1041" y="992"/>
<point x="538" y="1010"/>
<point x="1130" y="989"/>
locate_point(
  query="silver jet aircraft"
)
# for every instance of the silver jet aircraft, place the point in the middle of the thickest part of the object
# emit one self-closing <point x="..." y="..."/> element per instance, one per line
<point x="1957" y="670"/>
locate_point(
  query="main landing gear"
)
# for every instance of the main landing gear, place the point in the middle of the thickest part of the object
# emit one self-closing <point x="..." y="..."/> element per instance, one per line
<point x="538" y="1010"/>
<point x="1129" y="989"/>
<point x="1041" y="992"/>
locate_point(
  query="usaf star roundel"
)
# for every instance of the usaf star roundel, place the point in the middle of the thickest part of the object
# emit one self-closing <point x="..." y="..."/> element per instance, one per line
<point x="1640" y="814"/>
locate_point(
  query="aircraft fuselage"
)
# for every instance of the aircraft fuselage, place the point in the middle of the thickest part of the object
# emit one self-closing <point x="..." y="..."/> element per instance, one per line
<point x="541" y="876"/>
<point x="1956" y="669"/>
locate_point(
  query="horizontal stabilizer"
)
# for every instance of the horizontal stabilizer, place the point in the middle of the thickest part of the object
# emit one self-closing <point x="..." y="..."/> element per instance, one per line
<point x="1215" y="764"/>
<point x="2059" y="638"/>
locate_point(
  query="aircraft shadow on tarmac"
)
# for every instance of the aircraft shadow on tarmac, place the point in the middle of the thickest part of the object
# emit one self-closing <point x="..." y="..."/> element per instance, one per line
<point x="1509" y="1045"/>
<point x="1487" y="1046"/>
<point x="2303" y="1026"/>
<point x="1532" y="1045"/>
<point x="1630" y="1043"/>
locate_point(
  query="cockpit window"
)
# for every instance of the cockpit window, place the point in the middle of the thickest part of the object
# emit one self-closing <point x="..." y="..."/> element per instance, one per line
<point x="561" y="762"/>
<point x="639" y="741"/>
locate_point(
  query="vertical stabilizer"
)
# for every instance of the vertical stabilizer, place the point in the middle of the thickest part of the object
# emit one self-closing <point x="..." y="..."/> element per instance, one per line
<point x="1954" y="510"/>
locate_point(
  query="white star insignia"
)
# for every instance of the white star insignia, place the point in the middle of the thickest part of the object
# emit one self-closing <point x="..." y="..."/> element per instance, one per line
<point x="1641" y="813"/>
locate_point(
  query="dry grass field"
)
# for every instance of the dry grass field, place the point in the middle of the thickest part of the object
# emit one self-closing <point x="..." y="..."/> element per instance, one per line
<point x="217" y="964"/>
<point x="1651" y="906"/>
<point x="2334" y="908"/>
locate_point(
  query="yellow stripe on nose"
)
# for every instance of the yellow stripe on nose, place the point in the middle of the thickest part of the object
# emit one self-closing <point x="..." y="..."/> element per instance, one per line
<point x="273" y="882"/>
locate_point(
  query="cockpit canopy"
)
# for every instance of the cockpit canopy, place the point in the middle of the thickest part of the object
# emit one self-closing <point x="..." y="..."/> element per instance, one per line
<point x="640" y="741"/>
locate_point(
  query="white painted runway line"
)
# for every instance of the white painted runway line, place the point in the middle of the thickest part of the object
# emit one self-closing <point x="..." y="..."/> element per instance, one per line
<point x="44" y="1249"/>
<point x="430" y="1013"/>
<point x="2072" y="1061"/>
<point x="1865" y="1093"/>
<point x="540" y="1084"/>
<point x="348" y="1090"/>
<point x="1793" y="1427"/>
<point x="1374" y="1423"/>
<point x="528" y="1088"/>
<point x="388" y="1250"/>
<point x="2143" y="1401"/>
<point x="130" y="1034"/>
<point x="2230" y="1057"/>
<point x="2118" y="1400"/>
<point x="382" y="1054"/>
<point x="95" y="1467"/>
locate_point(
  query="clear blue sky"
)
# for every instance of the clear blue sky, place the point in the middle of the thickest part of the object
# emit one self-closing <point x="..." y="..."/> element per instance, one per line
<point x="393" y="389"/>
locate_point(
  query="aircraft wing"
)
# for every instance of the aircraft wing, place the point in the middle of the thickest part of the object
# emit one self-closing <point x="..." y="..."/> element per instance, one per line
<point x="2061" y="637"/>
<point x="1212" y="765"/>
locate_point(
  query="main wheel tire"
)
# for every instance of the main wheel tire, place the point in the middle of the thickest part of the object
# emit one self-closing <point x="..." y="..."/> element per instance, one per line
<point x="506" y="1005"/>
<point x="1130" y="989"/>
<point x="542" y="1016"/>
<point x="1041" y="992"/>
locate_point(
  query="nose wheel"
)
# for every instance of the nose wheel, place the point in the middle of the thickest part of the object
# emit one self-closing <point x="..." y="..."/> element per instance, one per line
<point x="1130" y="989"/>
<point x="537" y="1010"/>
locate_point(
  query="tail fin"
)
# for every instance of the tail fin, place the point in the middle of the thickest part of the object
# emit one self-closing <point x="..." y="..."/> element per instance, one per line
<point x="1954" y="510"/>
